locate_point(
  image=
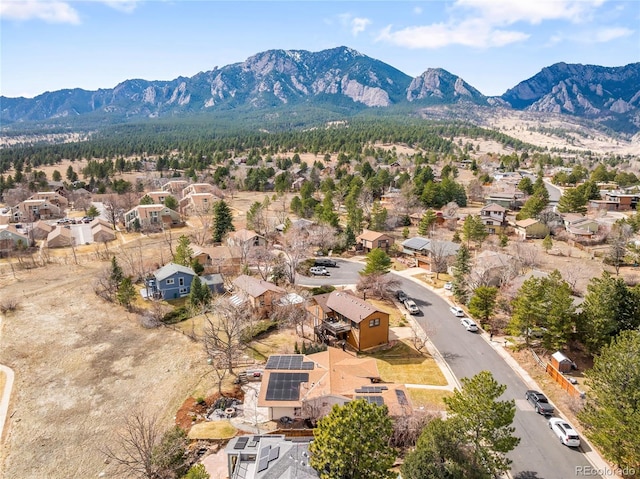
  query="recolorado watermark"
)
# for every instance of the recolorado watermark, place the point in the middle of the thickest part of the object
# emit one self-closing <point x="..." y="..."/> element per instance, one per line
<point x="604" y="471"/>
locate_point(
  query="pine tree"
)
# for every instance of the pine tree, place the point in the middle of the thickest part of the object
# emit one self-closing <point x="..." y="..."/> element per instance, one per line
<point x="461" y="270"/>
<point x="222" y="221"/>
<point x="126" y="292"/>
<point x="485" y="422"/>
<point x="352" y="441"/>
<point x="610" y="415"/>
<point x="426" y="222"/>
<point x="547" y="243"/>
<point x="183" y="251"/>
<point x="378" y="262"/>
<point x="483" y="303"/>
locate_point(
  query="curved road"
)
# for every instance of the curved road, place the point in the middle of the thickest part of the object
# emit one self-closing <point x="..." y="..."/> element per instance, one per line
<point x="539" y="454"/>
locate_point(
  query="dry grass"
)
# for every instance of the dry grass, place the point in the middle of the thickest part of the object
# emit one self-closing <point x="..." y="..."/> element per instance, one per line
<point x="396" y="318"/>
<point x="405" y="365"/>
<point x="428" y="398"/>
<point x="212" y="430"/>
<point x="279" y="342"/>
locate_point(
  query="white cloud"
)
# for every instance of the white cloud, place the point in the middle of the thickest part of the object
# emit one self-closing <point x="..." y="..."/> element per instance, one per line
<point x="534" y="12"/>
<point x="355" y="24"/>
<point x="417" y="10"/>
<point x="358" y="25"/>
<point x="48" y="11"/>
<point x="126" y="6"/>
<point x="607" y="34"/>
<point x="470" y="33"/>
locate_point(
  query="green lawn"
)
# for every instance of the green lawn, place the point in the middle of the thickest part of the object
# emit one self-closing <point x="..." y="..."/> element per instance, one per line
<point x="405" y="365"/>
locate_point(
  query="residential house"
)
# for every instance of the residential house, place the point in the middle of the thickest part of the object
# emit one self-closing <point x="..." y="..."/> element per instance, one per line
<point x="196" y="188"/>
<point x="60" y="237"/>
<point x="389" y="199"/>
<point x="426" y="251"/>
<point x="531" y="228"/>
<point x="52" y="197"/>
<point x="151" y="216"/>
<point x="244" y="238"/>
<point x="58" y="187"/>
<point x="158" y="197"/>
<point x="102" y="233"/>
<point x="215" y="282"/>
<point x="341" y="316"/>
<point x="494" y="218"/>
<point x="369" y="240"/>
<point x="261" y="295"/>
<point x="301" y="224"/>
<point x="11" y="239"/>
<point x="197" y="203"/>
<point x="36" y="209"/>
<point x="221" y="259"/>
<point x="175" y="187"/>
<point x="579" y="226"/>
<point x="41" y="230"/>
<point x="269" y="457"/>
<point x="308" y="386"/>
<point x="99" y="221"/>
<point x="625" y="201"/>
<point x="509" y="200"/>
<point x="173" y="281"/>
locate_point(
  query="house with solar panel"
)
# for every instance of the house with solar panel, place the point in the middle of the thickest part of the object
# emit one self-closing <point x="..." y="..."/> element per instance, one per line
<point x="304" y="387"/>
<point x="341" y="316"/>
<point x="269" y="457"/>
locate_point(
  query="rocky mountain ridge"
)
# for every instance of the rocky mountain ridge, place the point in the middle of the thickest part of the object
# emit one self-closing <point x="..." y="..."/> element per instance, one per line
<point x="339" y="77"/>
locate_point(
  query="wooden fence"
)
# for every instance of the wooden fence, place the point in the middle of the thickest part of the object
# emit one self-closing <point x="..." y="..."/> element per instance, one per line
<point x="563" y="381"/>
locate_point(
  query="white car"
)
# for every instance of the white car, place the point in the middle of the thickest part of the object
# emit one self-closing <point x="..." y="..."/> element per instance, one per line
<point x="318" y="271"/>
<point x="457" y="311"/>
<point x="469" y="324"/>
<point x="567" y="435"/>
<point x="448" y="285"/>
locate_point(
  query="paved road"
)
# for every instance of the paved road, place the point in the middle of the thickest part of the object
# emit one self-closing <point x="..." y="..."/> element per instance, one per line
<point x="539" y="454"/>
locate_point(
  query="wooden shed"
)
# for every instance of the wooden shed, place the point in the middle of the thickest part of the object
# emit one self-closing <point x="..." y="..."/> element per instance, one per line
<point x="561" y="362"/>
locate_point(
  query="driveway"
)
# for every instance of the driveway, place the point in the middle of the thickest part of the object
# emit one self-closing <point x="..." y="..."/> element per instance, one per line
<point x="345" y="273"/>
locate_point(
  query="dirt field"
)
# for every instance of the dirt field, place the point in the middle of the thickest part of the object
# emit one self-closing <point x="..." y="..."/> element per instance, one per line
<point x="81" y="365"/>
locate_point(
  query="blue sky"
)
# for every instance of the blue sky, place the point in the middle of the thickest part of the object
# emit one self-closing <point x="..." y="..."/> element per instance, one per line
<point x="48" y="45"/>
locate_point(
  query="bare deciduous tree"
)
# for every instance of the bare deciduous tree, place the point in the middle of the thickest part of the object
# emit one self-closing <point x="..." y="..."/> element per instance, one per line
<point x="144" y="450"/>
<point x="293" y="314"/>
<point x="380" y="286"/>
<point x="262" y="259"/>
<point x="223" y="334"/>
<point x="295" y="249"/>
<point x="324" y="236"/>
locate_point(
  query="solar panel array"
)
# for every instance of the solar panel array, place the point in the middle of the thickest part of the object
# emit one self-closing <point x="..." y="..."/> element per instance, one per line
<point x="289" y="361"/>
<point x="285" y="386"/>
<point x="402" y="397"/>
<point x="263" y="459"/>
<point x="373" y="399"/>
<point x="372" y="389"/>
<point x="241" y="442"/>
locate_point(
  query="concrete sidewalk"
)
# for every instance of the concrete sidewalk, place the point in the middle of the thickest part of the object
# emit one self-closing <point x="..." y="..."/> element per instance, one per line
<point x="5" y="397"/>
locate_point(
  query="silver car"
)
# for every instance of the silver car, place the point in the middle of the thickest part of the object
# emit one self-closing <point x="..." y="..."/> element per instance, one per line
<point x="469" y="324"/>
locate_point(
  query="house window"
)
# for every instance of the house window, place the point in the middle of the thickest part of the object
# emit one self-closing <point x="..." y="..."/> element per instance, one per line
<point x="297" y="412"/>
<point x="183" y="291"/>
<point x="181" y="281"/>
<point x="374" y="322"/>
<point x="170" y="281"/>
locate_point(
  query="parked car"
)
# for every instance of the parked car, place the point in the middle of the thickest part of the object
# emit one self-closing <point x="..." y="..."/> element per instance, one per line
<point x="326" y="262"/>
<point x="539" y="402"/>
<point x="318" y="271"/>
<point x="457" y="311"/>
<point x="401" y="295"/>
<point x="448" y="285"/>
<point x="469" y="324"/>
<point x="565" y="432"/>
<point x="411" y="306"/>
